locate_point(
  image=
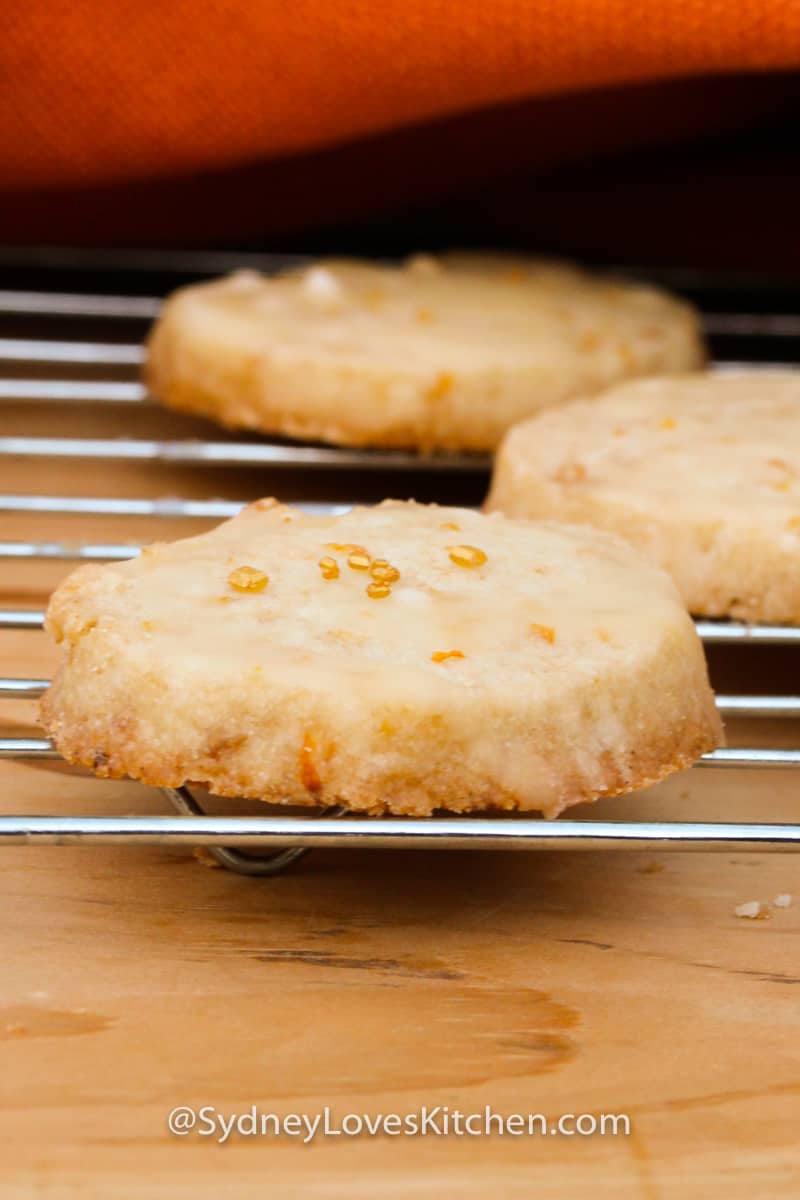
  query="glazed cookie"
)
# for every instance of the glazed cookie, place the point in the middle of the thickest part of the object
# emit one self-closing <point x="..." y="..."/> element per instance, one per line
<point x="700" y="473"/>
<point x="396" y="659"/>
<point x="440" y="353"/>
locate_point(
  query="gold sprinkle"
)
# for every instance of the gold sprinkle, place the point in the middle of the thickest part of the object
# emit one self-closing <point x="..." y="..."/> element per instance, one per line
<point x="441" y="655"/>
<point x="224" y="599"/>
<point x="604" y="635"/>
<point x="382" y="571"/>
<point x="378" y="591"/>
<point x="359" y="560"/>
<point x="345" y="548"/>
<point x="466" y="556"/>
<point x="545" y="632"/>
<point x="248" y="579"/>
<point x="329" y="568"/>
<point x="148" y="626"/>
<point x="667" y="423"/>
<point x="451" y="525"/>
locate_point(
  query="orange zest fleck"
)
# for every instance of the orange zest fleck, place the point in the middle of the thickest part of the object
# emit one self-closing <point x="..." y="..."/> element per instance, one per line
<point x="439" y="656"/>
<point x="442" y="384"/>
<point x="570" y="473"/>
<point x="309" y="776"/>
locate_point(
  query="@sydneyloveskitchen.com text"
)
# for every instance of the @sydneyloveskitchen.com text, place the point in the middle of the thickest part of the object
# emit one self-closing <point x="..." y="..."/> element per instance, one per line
<point x="436" y="1120"/>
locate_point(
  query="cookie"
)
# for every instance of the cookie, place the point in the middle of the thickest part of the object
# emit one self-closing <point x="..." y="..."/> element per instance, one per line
<point x="396" y="659"/>
<point x="701" y="473"/>
<point x="436" y="354"/>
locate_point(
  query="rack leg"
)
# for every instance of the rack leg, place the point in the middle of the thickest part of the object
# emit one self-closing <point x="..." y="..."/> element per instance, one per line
<point x="184" y="802"/>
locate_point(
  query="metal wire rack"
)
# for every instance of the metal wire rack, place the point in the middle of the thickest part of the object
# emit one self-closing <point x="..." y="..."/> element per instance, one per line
<point x="67" y="320"/>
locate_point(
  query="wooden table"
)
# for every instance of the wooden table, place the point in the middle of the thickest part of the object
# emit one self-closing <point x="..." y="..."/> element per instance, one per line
<point x="136" y="980"/>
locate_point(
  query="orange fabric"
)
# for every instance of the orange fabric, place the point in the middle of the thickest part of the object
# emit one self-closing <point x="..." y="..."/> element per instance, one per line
<point x="507" y="173"/>
<point x="98" y="92"/>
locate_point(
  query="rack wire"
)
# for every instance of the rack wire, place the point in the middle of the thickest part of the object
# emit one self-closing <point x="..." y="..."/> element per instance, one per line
<point x="53" y="355"/>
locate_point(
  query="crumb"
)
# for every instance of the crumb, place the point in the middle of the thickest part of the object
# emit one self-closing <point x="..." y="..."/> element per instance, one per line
<point x="424" y="265"/>
<point x="205" y="858"/>
<point x="322" y="288"/>
<point x="783" y="900"/>
<point x="751" y="909"/>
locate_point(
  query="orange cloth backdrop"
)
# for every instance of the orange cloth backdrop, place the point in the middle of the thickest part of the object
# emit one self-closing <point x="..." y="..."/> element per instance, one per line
<point x="98" y="93"/>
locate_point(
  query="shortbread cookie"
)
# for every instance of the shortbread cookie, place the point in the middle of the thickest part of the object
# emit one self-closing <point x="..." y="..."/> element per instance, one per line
<point x="437" y="354"/>
<point x="701" y="473"/>
<point x="396" y="659"/>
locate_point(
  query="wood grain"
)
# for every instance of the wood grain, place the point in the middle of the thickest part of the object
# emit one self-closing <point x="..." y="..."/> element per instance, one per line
<point x="135" y="980"/>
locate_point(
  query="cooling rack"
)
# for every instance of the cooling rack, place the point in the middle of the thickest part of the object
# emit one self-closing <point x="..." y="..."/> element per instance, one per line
<point x="72" y="326"/>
